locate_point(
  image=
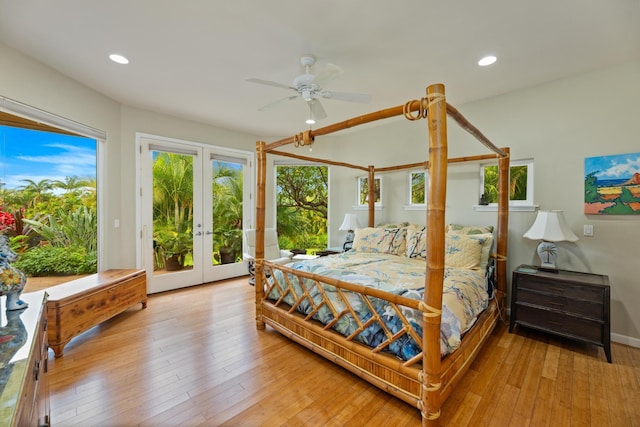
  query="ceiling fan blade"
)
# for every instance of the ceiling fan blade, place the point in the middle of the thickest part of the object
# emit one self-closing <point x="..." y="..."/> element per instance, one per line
<point x="270" y="83"/>
<point x="317" y="111"/>
<point x="362" y="98"/>
<point x="276" y="103"/>
<point x="330" y="72"/>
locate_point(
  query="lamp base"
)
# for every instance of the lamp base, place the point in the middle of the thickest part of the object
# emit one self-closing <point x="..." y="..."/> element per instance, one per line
<point x="348" y="243"/>
<point x="548" y="253"/>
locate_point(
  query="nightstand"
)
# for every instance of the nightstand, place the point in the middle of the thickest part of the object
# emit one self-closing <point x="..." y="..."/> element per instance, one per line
<point x="567" y="303"/>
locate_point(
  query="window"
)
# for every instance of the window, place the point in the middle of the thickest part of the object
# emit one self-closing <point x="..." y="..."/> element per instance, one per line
<point x="48" y="193"/>
<point x="302" y="200"/>
<point x="417" y="189"/>
<point x="520" y="183"/>
<point x="363" y="191"/>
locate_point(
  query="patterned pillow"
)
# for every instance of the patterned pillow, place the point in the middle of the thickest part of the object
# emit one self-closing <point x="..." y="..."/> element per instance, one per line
<point x="486" y="231"/>
<point x="463" y="251"/>
<point x="380" y="240"/>
<point x="416" y="242"/>
<point x="468" y="229"/>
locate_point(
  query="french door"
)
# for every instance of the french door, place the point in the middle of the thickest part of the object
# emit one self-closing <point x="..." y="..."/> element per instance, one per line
<point x="194" y="203"/>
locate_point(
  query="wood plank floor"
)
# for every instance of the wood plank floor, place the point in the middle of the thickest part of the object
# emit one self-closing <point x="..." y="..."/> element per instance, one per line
<point x="195" y="358"/>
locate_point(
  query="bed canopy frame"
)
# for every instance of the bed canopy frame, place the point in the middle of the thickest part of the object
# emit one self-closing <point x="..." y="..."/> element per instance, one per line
<point x="425" y="383"/>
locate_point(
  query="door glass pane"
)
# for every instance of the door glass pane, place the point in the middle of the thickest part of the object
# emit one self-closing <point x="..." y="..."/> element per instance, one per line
<point x="172" y="211"/>
<point x="227" y="189"/>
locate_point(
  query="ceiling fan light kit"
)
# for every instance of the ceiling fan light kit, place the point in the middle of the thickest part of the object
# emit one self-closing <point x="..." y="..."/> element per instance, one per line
<point x="309" y="87"/>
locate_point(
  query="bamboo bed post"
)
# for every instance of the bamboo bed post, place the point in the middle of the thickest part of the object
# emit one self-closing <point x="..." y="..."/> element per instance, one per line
<point x="431" y="381"/>
<point x="503" y="230"/>
<point x="261" y="165"/>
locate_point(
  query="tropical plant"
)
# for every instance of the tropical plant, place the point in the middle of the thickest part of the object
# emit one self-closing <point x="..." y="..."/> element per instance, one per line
<point x="172" y="207"/>
<point x="51" y="260"/>
<point x="227" y="215"/>
<point x="65" y="229"/>
<point x="517" y="183"/>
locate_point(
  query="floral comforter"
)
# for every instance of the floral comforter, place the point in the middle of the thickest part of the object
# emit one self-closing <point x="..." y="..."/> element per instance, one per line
<point x="464" y="297"/>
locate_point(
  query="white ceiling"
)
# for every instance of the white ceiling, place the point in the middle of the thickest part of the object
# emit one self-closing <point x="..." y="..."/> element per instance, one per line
<point x="191" y="58"/>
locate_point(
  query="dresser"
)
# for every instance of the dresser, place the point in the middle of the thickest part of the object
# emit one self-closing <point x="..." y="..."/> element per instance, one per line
<point x="567" y="303"/>
<point x="24" y="394"/>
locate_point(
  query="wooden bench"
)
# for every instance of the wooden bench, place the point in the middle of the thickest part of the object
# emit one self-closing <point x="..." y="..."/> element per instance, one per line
<point x="78" y="305"/>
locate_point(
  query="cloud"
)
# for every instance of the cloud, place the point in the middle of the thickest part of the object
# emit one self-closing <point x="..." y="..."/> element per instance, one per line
<point x="66" y="160"/>
<point x="621" y="170"/>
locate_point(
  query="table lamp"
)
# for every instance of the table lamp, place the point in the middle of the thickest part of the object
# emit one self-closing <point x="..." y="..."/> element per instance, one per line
<point x="549" y="227"/>
<point x="349" y="224"/>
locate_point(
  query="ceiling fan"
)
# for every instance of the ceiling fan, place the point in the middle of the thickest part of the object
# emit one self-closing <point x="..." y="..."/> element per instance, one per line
<point x="310" y="88"/>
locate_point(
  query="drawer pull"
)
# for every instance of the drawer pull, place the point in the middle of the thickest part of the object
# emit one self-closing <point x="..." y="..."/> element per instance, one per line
<point x="556" y="289"/>
<point x="555" y="323"/>
<point x="559" y="304"/>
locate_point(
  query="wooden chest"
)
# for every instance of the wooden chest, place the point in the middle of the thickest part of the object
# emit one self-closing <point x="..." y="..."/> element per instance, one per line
<point x="567" y="303"/>
<point x="81" y="304"/>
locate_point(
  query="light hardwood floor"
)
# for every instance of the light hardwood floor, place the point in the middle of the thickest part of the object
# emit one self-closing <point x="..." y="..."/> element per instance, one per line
<point x="194" y="357"/>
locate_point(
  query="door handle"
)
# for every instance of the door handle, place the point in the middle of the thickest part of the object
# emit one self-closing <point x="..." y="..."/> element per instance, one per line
<point x="199" y="233"/>
<point x="208" y="232"/>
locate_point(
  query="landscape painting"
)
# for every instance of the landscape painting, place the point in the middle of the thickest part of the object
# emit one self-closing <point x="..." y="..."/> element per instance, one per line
<point x="612" y="185"/>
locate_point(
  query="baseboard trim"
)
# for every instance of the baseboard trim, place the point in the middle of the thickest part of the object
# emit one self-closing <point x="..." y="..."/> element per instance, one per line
<point x="623" y="339"/>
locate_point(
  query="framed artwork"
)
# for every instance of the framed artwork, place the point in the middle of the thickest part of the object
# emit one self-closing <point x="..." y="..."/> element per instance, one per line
<point x="612" y="185"/>
<point x="363" y="191"/>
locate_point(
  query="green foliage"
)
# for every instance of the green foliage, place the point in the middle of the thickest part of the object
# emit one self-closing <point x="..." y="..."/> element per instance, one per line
<point x="621" y="206"/>
<point x="173" y="191"/>
<point x="170" y="242"/>
<point x="364" y="190"/>
<point x="62" y="213"/>
<point x="418" y="187"/>
<point x="517" y="183"/>
<point x="50" y="260"/>
<point x="302" y="200"/>
<point x="64" y="228"/>
<point x="591" y="194"/>
<point x="172" y="206"/>
<point x="227" y="209"/>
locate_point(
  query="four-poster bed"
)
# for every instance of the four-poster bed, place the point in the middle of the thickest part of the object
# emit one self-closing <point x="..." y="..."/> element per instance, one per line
<point x="424" y="379"/>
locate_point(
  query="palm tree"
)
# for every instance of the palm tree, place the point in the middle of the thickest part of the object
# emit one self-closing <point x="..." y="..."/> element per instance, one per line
<point x="227" y="191"/>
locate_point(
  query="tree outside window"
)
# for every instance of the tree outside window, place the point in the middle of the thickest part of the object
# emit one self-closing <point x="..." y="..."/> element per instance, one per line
<point x="302" y="196"/>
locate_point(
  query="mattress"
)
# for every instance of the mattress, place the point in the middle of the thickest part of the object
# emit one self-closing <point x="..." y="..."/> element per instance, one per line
<point x="464" y="297"/>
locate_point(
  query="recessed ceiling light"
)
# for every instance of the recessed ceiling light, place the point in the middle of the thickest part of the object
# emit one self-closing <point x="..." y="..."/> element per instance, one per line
<point x="310" y="121"/>
<point x="118" y="58"/>
<point x="487" y="60"/>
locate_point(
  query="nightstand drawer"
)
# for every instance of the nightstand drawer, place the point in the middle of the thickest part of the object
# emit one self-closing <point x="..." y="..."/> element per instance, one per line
<point x="560" y="323"/>
<point x="568" y="290"/>
<point x="592" y="309"/>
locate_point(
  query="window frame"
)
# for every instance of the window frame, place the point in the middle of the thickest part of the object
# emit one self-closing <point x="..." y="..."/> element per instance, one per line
<point x="411" y="204"/>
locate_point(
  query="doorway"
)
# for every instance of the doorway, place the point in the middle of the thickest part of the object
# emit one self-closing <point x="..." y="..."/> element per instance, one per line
<point x="195" y="201"/>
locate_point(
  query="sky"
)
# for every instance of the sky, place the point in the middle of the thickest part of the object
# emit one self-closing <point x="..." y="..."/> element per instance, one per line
<point x="36" y="155"/>
<point x="619" y="166"/>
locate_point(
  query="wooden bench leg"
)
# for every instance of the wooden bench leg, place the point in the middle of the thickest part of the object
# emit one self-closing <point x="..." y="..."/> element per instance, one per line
<point x="58" y="349"/>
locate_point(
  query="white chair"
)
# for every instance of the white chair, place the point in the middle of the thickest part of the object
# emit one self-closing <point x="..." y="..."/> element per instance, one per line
<point x="272" y="251"/>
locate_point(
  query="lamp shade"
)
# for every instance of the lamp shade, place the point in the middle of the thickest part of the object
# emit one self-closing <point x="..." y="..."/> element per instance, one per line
<point x="350" y="222"/>
<point x="550" y="226"/>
